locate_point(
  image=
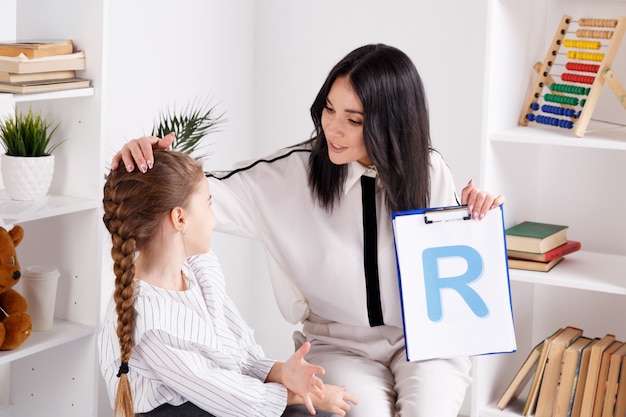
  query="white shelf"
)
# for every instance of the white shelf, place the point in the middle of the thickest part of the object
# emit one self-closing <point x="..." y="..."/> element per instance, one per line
<point x="13" y="211"/>
<point x="583" y="270"/>
<point x="513" y="410"/>
<point x="601" y="138"/>
<point x="78" y="92"/>
<point x="62" y="332"/>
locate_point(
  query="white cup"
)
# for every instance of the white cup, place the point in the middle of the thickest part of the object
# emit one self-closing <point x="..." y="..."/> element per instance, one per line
<point x="39" y="287"/>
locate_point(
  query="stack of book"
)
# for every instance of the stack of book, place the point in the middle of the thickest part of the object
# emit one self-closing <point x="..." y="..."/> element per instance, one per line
<point x="538" y="246"/>
<point x="569" y="374"/>
<point x="40" y="66"/>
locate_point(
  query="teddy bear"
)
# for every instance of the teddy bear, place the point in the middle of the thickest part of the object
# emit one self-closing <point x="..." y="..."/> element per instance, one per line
<point x="15" y="323"/>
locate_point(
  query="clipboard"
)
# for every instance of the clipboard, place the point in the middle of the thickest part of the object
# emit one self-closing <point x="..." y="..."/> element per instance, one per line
<point x="454" y="283"/>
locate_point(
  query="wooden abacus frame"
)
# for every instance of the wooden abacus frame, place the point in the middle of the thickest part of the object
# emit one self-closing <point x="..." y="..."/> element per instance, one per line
<point x="604" y="73"/>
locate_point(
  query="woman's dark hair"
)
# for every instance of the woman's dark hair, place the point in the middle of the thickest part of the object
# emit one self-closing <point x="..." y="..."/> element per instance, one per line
<point x="135" y="204"/>
<point x="395" y="128"/>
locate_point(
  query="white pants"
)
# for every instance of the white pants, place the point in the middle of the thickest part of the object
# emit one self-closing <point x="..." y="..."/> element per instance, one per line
<point x="371" y="363"/>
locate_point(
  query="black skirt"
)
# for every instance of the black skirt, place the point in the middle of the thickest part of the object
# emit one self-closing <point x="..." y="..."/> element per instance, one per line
<point x="190" y="410"/>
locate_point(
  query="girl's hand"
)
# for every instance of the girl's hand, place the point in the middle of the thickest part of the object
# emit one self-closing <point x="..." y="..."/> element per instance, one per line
<point x="299" y="377"/>
<point x="139" y="152"/>
<point x="479" y="202"/>
<point x="336" y="400"/>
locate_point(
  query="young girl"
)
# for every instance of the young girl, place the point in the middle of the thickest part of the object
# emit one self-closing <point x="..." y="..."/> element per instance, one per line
<point x="313" y="206"/>
<point x="173" y="343"/>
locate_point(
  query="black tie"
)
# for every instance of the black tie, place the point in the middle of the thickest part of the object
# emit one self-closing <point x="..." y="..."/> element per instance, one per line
<point x="370" y="251"/>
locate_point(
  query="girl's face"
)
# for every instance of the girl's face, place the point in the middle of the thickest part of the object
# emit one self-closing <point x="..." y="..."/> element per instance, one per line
<point x="342" y="122"/>
<point x="200" y="221"/>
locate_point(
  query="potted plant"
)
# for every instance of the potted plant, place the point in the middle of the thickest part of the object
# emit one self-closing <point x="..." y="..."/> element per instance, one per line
<point x="27" y="164"/>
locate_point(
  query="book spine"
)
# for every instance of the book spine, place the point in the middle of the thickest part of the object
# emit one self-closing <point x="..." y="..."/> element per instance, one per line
<point x="562" y="252"/>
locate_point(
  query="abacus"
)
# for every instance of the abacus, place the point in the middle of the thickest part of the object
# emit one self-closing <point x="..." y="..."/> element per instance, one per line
<point x="570" y="103"/>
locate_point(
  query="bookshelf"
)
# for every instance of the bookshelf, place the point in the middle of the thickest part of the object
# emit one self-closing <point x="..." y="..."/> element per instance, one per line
<point x="549" y="174"/>
<point x="58" y="367"/>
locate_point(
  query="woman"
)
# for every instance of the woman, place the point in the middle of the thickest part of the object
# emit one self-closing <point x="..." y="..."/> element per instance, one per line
<point x="173" y="344"/>
<point x="314" y="207"/>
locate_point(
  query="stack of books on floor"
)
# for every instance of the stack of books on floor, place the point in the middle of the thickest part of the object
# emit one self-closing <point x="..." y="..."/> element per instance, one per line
<point x="538" y="246"/>
<point x="40" y="66"/>
<point x="569" y="374"/>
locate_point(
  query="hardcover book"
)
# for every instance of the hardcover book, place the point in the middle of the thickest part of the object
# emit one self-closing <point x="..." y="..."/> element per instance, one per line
<point x="533" y="265"/>
<point x="581" y="378"/>
<point x="593" y="372"/>
<point x="572" y="358"/>
<point x="620" y="401"/>
<point x="44" y="86"/>
<point x="22" y="65"/>
<point x="522" y="377"/>
<point x="570" y="247"/>
<point x="36" y="48"/>
<point x="535" y="237"/>
<point x="533" y="393"/>
<point x="11" y="77"/>
<point x="612" y="381"/>
<point x="603" y="374"/>
<point x="552" y="373"/>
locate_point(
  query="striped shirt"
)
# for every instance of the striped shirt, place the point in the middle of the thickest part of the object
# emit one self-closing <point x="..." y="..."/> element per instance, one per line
<point x="192" y="346"/>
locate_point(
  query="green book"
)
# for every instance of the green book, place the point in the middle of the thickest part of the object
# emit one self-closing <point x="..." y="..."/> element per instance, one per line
<point x="535" y="237"/>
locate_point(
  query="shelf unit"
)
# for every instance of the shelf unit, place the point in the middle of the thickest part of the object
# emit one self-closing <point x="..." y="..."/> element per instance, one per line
<point x="59" y="368"/>
<point x="548" y="174"/>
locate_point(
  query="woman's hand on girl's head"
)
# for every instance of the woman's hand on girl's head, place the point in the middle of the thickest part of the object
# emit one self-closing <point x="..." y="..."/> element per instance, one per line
<point x="479" y="202"/>
<point x="138" y="152"/>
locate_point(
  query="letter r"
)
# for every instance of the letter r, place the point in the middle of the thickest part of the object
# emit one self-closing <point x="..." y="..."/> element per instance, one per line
<point x="434" y="283"/>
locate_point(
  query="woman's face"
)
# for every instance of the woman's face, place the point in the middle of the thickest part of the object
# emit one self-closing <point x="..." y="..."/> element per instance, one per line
<point x="342" y="122"/>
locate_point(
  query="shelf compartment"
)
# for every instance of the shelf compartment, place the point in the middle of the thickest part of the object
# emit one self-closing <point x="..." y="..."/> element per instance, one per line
<point x="13" y="211"/>
<point x="62" y="332"/>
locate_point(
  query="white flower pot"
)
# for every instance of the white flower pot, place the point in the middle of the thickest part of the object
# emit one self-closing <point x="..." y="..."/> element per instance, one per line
<point x="27" y="178"/>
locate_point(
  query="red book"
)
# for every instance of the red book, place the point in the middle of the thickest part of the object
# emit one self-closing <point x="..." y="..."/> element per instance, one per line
<point x="558" y="252"/>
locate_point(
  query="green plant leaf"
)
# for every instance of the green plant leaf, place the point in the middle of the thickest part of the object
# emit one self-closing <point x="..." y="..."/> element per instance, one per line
<point x="191" y="125"/>
<point x="27" y="134"/>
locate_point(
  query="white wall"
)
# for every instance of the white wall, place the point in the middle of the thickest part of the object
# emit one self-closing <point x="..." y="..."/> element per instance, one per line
<point x="263" y="62"/>
<point x="297" y="43"/>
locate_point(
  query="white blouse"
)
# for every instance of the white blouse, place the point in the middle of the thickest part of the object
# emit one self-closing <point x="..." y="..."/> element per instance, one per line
<point x="193" y="346"/>
<point x="315" y="258"/>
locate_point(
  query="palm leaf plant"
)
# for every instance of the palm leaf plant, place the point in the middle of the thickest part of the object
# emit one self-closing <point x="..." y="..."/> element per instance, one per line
<point x="191" y="125"/>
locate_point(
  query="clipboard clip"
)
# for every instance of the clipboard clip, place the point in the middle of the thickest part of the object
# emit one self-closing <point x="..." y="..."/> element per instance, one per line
<point x="446" y="214"/>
